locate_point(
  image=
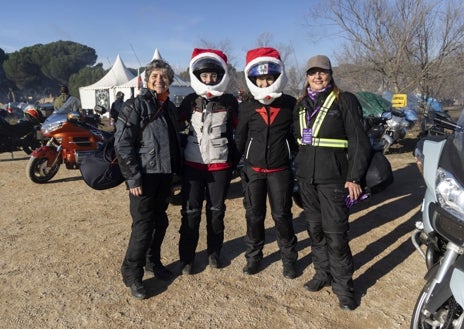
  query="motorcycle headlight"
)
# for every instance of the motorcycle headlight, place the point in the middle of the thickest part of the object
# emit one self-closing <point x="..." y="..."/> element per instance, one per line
<point x="450" y="193"/>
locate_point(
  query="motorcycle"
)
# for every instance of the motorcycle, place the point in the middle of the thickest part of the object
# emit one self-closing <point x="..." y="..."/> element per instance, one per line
<point x="396" y="125"/>
<point x="21" y="135"/>
<point x="441" y="230"/>
<point x="71" y="136"/>
<point x="376" y="127"/>
<point x="389" y="128"/>
<point x="436" y="123"/>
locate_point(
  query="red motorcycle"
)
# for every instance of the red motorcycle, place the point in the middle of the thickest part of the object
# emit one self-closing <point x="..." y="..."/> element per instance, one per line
<point x="71" y="136"/>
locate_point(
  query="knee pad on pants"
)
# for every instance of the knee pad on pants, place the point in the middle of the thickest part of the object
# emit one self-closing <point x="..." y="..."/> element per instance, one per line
<point x="191" y="218"/>
<point x="216" y="216"/>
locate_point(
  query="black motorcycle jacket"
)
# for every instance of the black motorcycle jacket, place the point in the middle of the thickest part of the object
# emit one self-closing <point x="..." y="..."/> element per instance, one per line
<point x="264" y="133"/>
<point x="147" y="138"/>
<point x="343" y="121"/>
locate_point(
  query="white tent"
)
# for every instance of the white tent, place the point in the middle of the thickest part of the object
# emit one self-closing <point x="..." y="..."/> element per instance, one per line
<point x="102" y="92"/>
<point x="178" y="89"/>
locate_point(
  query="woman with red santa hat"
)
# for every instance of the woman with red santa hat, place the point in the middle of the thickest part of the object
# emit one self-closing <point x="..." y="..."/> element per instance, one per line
<point x="209" y="153"/>
<point x="264" y="137"/>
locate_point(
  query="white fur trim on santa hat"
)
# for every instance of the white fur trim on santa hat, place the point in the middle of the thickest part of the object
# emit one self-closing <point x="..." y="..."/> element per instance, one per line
<point x="209" y="91"/>
<point x="266" y="95"/>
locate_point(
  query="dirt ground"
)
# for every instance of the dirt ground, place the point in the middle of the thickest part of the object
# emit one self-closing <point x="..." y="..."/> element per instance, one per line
<point x="62" y="244"/>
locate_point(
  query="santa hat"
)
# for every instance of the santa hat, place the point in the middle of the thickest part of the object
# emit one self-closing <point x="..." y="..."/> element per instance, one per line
<point x="208" y="91"/>
<point x="265" y="60"/>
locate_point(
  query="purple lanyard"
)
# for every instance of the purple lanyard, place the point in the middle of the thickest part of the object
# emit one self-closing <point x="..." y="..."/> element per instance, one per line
<point x="310" y="116"/>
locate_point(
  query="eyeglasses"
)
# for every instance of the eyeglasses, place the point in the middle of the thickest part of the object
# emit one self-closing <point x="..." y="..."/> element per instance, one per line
<point x="321" y="72"/>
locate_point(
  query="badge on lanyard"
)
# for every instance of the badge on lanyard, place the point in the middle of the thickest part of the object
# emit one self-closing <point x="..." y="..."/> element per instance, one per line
<point x="307" y="137"/>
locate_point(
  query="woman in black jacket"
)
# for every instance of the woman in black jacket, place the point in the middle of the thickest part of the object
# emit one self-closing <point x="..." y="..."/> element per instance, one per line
<point x="264" y="137"/>
<point x="333" y="157"/>
<point x="147" y="144"/>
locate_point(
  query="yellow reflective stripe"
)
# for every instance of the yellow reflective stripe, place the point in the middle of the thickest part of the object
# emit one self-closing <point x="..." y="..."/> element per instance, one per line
<point x="302" y="119"/>
<point x="330" y="142"/>
<point x="322" y="112"/>
<point x="302" y="115"/>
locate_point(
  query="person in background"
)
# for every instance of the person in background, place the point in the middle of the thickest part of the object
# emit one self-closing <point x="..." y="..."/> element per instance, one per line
<point x="209" y="152"/>
<point x="333" y="157"/>
<point x="62" y="97"/>
<point x="147" y="145"/>
<point x="116" y="107"/>
<point x="264" y="137"/>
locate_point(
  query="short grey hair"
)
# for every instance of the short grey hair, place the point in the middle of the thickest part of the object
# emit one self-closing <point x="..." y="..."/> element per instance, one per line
<point x="159" y="64"/>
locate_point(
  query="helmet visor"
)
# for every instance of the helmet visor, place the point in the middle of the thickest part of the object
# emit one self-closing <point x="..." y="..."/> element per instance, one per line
<point x="265" y="69"/>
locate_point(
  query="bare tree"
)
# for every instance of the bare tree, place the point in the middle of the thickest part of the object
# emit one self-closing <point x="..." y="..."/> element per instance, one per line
<point x="407" y="42"/>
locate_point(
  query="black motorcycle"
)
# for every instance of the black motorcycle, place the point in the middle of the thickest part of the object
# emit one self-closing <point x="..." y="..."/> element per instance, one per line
<point x="21" y="135"/>
<point x="436" y="123"/>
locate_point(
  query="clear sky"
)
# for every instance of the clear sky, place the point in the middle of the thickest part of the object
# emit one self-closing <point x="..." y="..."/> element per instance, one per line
<point x="134" y="29"/>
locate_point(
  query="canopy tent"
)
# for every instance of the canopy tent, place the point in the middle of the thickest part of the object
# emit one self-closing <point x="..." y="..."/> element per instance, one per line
<point x="178" y="89"/>
<point x="102" y="92"/>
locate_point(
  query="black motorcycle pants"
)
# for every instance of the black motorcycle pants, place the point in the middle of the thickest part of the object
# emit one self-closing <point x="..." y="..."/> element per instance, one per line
<point x="197" y="186"/>
<point x="326" y="216"/>
<point x="149" y="224"/>
<point x="277" y="186"/>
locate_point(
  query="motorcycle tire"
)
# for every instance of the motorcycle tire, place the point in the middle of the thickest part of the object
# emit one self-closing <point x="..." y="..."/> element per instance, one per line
<point x="38" y="172"/>
<point x="442" y="318"/>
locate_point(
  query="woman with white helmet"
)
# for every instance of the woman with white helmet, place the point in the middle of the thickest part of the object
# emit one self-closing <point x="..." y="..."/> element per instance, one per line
<point x="209" y="154"/>
<point x="264" y="137"/>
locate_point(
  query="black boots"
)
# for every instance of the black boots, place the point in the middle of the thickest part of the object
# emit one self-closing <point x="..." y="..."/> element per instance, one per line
<point x="289" y="271"/>
<point x="252" y="267"/>
<point x="159" y="271"/>
<point x="316" y="284"/>
<point x="138" y="291"/>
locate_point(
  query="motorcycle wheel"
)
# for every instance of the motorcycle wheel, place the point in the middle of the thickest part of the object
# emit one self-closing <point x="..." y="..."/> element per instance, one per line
<point x="442" y="318"/>
<point x="38" y="171"/>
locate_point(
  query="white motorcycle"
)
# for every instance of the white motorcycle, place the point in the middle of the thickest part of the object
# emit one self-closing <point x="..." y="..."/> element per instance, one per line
<point x="441" y="301"/>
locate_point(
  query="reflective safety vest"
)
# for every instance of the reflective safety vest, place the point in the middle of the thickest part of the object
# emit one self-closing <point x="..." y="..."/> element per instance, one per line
<point x="316" y="141"/>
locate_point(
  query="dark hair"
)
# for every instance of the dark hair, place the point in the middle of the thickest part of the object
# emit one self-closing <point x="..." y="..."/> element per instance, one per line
<point x="159" y="64"/>
<point x="64" y="89"/>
